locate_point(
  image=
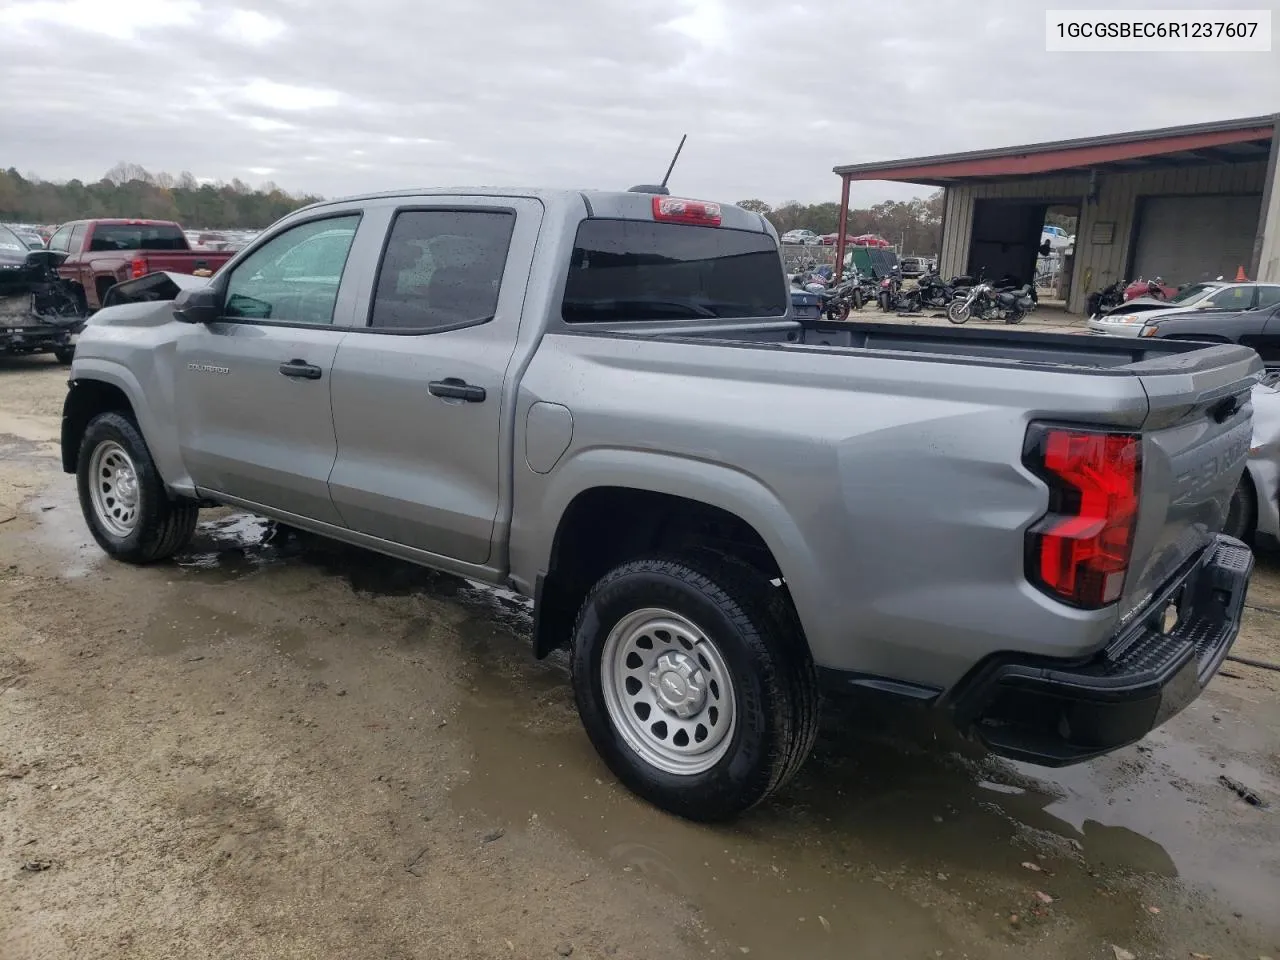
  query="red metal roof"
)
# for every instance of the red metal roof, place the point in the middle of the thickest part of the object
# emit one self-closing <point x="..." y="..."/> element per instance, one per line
<point x="1068" y="154"/>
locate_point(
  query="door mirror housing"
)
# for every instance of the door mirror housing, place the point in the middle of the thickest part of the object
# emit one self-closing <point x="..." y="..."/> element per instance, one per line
<point x="202" y="305"/>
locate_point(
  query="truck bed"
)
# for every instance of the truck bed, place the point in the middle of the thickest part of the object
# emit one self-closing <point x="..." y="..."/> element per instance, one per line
<point x="995" y="347"/>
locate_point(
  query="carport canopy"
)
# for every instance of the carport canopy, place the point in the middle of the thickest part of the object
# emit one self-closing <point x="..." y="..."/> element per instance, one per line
<point x="1138" y="156"/>
<point x="1228" y="141"/>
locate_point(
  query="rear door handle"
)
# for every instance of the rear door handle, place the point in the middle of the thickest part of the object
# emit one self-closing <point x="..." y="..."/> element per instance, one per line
<point x="301" y="370"/>
<point x="452" y="388"/>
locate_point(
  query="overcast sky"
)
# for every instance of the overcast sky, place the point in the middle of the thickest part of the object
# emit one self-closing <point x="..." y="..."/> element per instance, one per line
<point x="593" y="93"/>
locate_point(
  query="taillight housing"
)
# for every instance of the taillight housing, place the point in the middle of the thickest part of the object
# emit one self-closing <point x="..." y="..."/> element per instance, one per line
<point x="1079" y="551"/>
<point x="138" y="267"/>
<point x="702" y="213"/>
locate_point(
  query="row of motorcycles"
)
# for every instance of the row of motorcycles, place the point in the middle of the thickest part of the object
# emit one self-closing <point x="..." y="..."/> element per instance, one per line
<point x="964" y="298"/>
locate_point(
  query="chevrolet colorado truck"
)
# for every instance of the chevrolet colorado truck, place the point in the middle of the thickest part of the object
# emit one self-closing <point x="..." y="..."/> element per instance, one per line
<point x="603" y="401"/>
<point x="102" y="253"/>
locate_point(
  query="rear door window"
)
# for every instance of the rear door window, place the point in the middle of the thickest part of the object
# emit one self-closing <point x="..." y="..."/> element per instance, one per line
<point x="442" y="269"/>
<point x="635" y="270"/>
<point x="1268" y="296"/>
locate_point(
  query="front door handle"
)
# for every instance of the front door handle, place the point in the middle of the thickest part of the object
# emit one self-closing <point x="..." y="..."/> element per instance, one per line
<point x="452" y="388"/>
<point x="301" y="370"/>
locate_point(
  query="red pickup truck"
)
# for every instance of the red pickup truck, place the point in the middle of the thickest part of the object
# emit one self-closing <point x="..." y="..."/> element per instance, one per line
<point x="102" y="253"/>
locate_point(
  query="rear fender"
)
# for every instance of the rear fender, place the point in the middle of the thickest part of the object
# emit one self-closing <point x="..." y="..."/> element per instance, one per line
<point x="731" y="490"/>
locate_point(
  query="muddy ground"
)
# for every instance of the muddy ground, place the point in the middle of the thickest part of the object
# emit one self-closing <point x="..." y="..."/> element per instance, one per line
<point x="300" y="750"/>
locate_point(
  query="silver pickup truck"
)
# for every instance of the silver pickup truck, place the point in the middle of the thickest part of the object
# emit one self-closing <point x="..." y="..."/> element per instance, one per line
<point x="602" y="401"/>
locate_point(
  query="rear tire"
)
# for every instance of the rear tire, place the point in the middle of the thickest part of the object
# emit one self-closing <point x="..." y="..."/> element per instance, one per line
<point x="694" y="683"/>
<point x="122" y="497"/>
<point x="64" y="355"/>
<point x="838" y="312"/>
<point x="1242" y="514"/>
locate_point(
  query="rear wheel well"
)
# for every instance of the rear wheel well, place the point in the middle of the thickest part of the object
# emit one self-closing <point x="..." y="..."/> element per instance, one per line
<point x="85" y="400"/>
<point x="606" y="526"/>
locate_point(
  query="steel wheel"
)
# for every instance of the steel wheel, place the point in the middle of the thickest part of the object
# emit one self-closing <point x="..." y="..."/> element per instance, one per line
<point x="668" y="691"/>
<point x="113" y="489"/>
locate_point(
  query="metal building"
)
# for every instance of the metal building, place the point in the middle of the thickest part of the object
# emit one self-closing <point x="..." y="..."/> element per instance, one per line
<point x="1183" y="203"/>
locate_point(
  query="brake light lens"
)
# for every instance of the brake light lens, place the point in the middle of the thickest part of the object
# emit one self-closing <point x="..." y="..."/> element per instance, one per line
<point x="138" y="267"/>
<point x="1079" y="551"/>
<point x="675" y="210"/>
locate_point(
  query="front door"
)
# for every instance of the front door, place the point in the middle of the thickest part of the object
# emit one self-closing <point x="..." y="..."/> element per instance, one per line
<point x="253" y="405"/>
<point x="418" y="394"/>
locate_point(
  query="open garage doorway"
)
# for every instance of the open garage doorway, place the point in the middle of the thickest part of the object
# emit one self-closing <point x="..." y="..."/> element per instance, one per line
<point x="1027" y="241"/>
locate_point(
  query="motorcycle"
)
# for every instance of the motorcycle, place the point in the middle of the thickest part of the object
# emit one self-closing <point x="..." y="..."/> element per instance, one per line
<point x="986" y="302"/>
<point x="934" y="291"/>
<point x="891" y="296"/>
<point x="1149" y="288"/>
<point x="845" y="297"/>
<point x="1102" y="302"/>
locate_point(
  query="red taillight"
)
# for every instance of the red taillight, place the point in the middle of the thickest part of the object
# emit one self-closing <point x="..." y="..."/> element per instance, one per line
<point x="675" y="210"/>
<point x="138" y="267"/>
<point x="1079" y="551"/>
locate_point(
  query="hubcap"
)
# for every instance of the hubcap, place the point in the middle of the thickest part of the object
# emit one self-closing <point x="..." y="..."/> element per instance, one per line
<point x="668" y="691"/>
<point x="113" y="488"/>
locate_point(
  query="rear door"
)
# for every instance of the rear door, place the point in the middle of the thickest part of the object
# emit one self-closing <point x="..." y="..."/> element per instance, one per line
<point x="253" y="388"/>
<point x="418" y="389"/>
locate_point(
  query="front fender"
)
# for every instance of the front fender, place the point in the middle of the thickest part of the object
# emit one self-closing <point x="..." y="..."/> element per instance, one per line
<point x="80" y="406"/>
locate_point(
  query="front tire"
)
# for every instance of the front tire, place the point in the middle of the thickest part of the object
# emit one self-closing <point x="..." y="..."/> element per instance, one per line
<point x="694" y="684"/>
<point x="122" y="497"/>
<point x="957" y="312"/>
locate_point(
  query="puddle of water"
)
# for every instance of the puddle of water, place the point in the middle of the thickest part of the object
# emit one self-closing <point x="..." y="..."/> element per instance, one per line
<point x="62" y="527"/>
<point x="887" y="833"/>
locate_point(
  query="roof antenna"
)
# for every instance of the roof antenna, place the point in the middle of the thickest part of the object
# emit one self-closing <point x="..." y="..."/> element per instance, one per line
<point x="661" y="188"/>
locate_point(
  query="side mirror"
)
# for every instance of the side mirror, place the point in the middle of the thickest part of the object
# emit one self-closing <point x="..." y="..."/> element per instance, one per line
<point x="202" y="305"/>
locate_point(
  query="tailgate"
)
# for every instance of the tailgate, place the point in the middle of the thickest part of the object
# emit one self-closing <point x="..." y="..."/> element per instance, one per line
<point x="186" y="261"/>
<point x="1195" y="442"/>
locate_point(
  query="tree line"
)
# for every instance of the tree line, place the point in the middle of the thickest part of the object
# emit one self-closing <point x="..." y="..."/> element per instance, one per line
<point x="914" y="224"/>
<point x="129" y="190"/>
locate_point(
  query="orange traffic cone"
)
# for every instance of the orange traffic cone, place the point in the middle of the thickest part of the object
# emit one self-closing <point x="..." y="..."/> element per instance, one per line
<point x="1240" y="277"/>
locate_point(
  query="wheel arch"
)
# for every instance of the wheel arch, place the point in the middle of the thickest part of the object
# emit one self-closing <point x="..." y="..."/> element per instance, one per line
<point x="100" y="387"/>
<point x="615" y="505"/>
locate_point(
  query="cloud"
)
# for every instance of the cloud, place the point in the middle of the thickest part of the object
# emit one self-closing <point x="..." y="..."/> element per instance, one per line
<point x="582" y="93"/>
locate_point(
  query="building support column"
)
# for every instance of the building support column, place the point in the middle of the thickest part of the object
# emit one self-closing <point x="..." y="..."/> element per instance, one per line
<point x="844" y="224"/>
<point x="1265" y="263"/>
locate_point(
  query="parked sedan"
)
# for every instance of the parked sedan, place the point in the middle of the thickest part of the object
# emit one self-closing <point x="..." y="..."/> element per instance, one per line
<point x="1256" y="326"/>
<point x="806" y="237"/>
<point x="1201" y="299"/>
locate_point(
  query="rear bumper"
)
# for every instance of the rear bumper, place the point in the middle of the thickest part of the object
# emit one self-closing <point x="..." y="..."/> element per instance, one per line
<point x="1054" y="713"/>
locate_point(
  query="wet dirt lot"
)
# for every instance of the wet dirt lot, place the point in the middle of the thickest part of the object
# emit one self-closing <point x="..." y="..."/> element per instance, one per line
<point x="294" y="749"/>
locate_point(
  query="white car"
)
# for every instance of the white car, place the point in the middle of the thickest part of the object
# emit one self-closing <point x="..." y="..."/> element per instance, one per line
<point x="1056" y="237"/>
<point x="1128" y="319"/>
<point x="804" y="237"/>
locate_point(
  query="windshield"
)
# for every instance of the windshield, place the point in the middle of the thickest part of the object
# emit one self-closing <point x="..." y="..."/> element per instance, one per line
<point x="626" y="270"/>
<point x="10" y="241"/>
<point x="1193" y="292"/>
